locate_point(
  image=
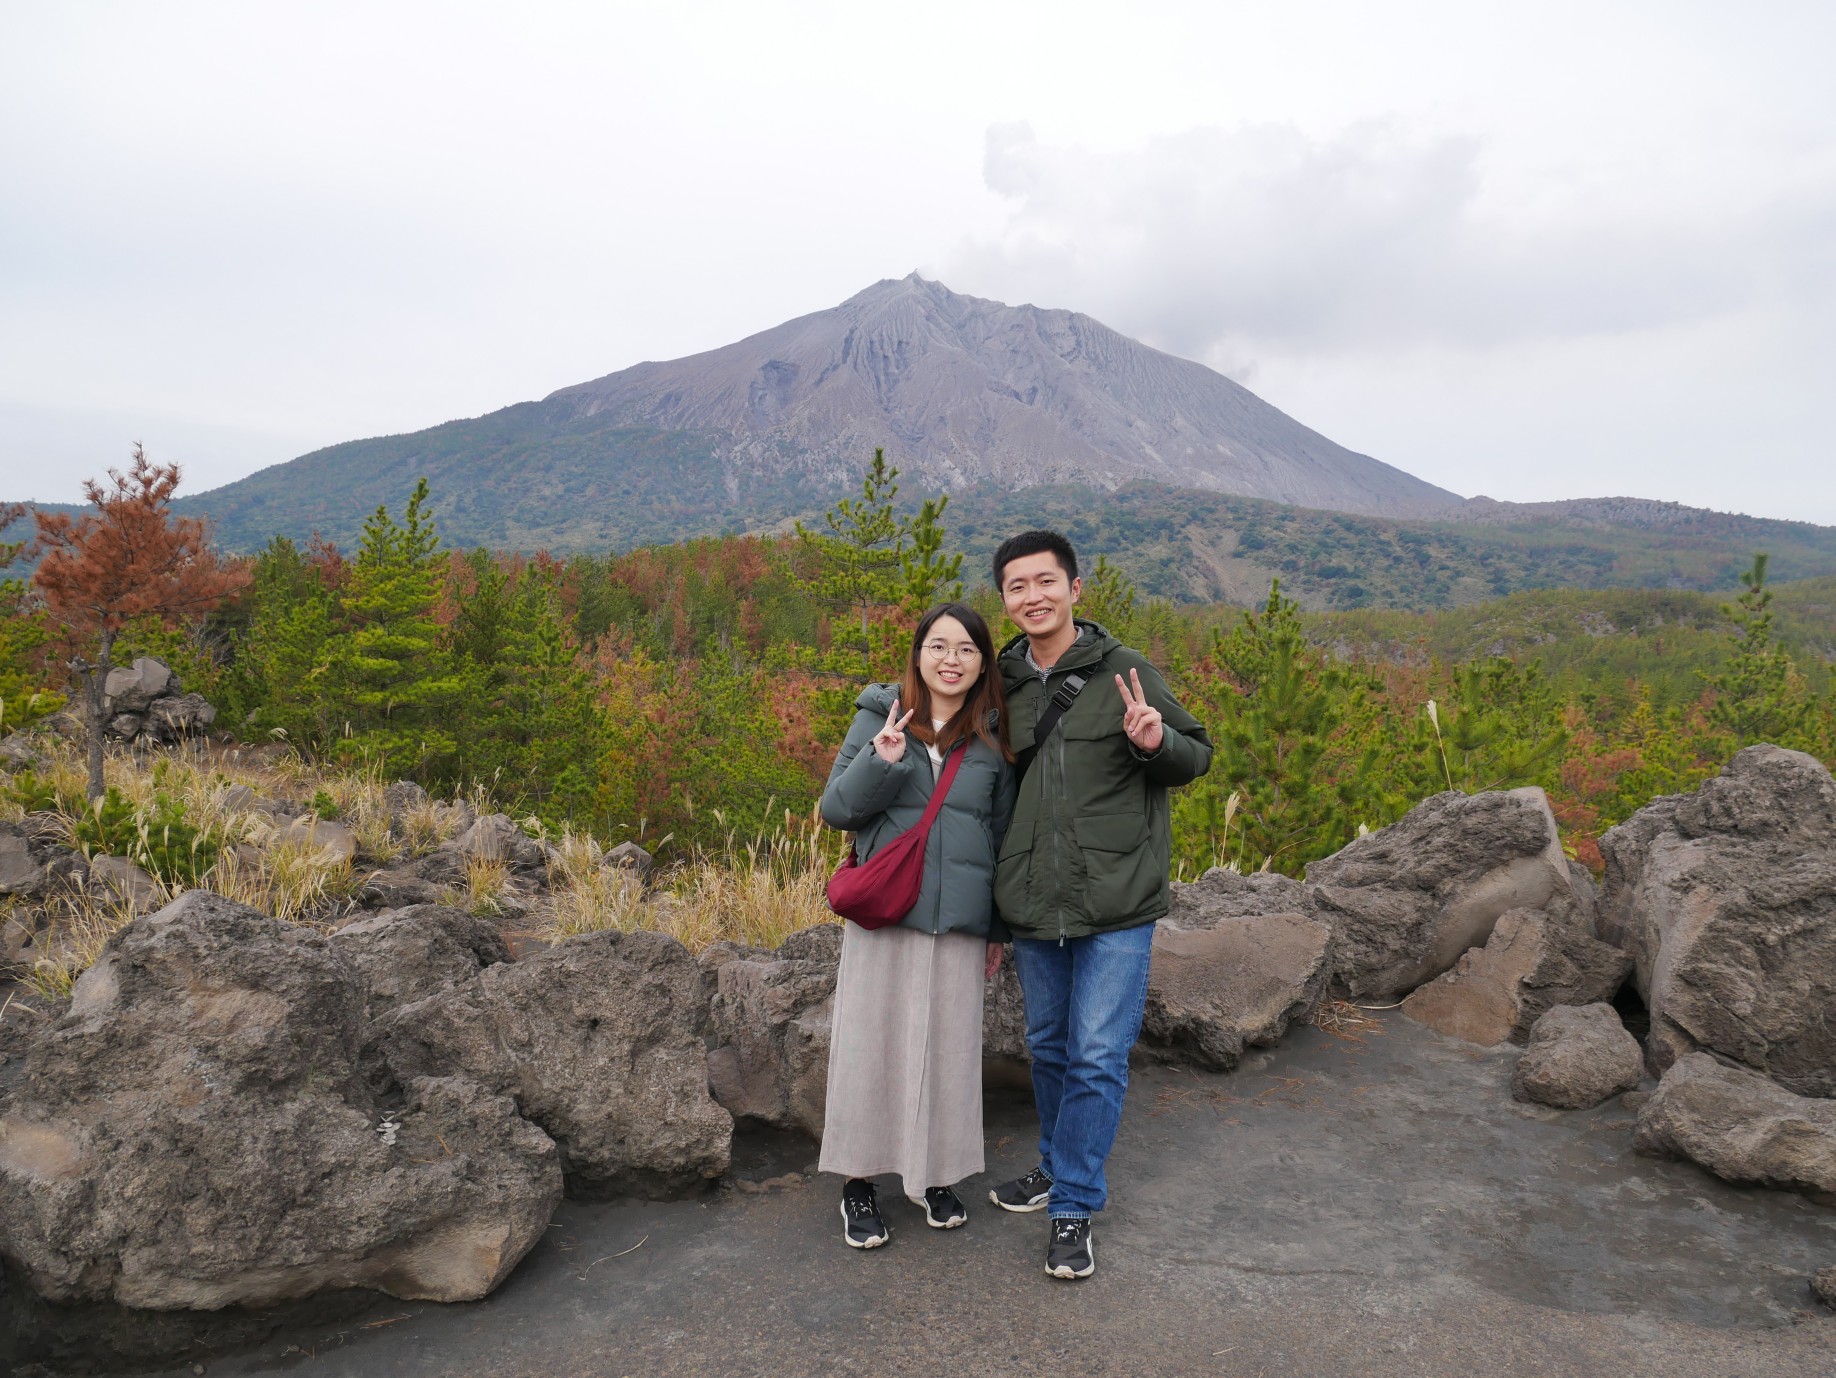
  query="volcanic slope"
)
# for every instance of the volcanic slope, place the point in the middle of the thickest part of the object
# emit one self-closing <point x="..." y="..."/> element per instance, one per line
<point x="959" y="391"/>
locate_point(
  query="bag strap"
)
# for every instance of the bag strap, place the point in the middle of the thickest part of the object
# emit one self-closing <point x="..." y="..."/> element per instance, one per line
<point x="1062" y="698"/>
<point x="942" y="789"/>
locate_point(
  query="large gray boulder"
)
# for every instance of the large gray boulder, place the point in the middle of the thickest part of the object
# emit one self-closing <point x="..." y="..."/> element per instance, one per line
<point x="180" y="716"/>
<point x="321" y="834"/>
<point x="1236" y="984"/>
<point x="419" y="951"/>
<point x="1404" y="902"/>
<point x="193" y="1133"/>
<point x="770" y="1021"/>
<point x="22" y="870"/>
<point x="133" y="688"/>
<point x="495" y="837"/>
<point x="1579" y="1055"/>
<point x="1727" y="900"/>
<point x="1740" y="1126"/>
<point x="602" y="1041"/>
<point x="1220" y="894"/>
<point x="1531" y="963"/>
<point x="397" y="887"/>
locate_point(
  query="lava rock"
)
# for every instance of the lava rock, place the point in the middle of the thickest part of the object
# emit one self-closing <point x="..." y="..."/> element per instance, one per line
<point x="771" y="1013"/>
<point x="1404" y="902"/>
<point x="1727" y="900"/>
<point x="398" y="888"/>
<point x="602" y="1040"/>
<point x="1579" y="1055"/>
<point x="193" y="1133"/>
<point x="1530" y="964"/>
<point x="419" y="951"/>
<point x="628" y="856"/>
<point x="133" y="688"/>
<point x="1741" y="1126"/>
<point x="1239" y="983"/>
<point x="495" y="838"/>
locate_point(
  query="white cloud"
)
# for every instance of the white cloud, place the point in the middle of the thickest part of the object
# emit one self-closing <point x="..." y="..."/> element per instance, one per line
<point x="1374" y="239"/>
<point x="1413" y="294"/>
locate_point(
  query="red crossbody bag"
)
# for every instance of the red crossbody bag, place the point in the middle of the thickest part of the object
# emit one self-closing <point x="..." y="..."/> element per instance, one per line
<point x="881" y="891"/>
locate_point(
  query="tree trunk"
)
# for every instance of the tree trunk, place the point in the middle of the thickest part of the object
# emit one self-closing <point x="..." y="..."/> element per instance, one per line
<point x="98" y="682"/>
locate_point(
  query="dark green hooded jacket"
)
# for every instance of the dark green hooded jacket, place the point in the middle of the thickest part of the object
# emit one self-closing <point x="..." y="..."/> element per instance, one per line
<point x="1091" y="839"/>
<point x="877" y="802"/>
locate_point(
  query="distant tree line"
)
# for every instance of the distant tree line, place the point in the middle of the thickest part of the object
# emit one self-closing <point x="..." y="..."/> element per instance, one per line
<point x="688" y="693"/>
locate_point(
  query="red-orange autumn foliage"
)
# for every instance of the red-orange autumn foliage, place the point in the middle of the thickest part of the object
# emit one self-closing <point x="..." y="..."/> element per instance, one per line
<point x="128" y="558"/>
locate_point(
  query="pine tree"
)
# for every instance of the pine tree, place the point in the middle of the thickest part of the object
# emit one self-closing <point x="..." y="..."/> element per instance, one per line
<point x="1109" y="598"/>
<point x="1760" y="696"/>
<point x="1277" y="709"/>
<point x="392" y="679"/>
<point x="858" y="562"/>
<point x="534" y="734"/>
<point x="927" y="575"/>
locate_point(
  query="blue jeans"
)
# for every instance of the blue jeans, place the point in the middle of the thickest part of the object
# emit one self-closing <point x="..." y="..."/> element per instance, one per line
<point x="1084" y="1000"/>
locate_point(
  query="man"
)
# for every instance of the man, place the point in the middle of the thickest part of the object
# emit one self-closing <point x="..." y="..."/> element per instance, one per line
<point x="1082" y="874"/>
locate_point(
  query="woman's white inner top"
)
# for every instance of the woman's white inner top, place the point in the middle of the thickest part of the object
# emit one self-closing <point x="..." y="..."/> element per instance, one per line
<point x="937" y="725"/>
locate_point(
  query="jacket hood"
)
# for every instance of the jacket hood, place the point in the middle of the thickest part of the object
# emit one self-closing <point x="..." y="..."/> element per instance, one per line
<point x="1092" y="644"/>
<point x="877" y="698"/>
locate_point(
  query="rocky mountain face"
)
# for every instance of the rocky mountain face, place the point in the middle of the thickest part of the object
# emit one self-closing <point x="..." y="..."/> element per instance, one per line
<point x="962" y="391"/>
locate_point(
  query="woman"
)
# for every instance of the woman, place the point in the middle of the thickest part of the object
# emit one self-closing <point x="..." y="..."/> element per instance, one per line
<point x="905" y="1052"/>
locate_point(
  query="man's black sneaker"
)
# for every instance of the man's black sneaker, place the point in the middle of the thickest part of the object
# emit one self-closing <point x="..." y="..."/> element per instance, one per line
<point x="943" y="1209"/>
<point x="1071" y="1254"/>
<point x="1026" y="1193"/>
<point x="862" y="1225"/>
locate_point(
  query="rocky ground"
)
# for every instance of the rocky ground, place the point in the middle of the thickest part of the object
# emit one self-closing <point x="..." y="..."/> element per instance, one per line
<point x="1376" y="1205"/>
<point x="253" y="1116"/>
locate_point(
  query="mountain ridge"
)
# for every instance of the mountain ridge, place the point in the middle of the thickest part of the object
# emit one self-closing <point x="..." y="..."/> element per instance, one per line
<point x="961" y="390"/>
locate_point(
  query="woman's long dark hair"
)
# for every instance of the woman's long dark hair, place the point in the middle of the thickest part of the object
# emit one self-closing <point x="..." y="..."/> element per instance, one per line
<point x="984" y="710"/>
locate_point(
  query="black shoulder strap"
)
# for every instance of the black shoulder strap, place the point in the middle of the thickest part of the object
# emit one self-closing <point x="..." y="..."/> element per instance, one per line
<point x="1062" y="699"/>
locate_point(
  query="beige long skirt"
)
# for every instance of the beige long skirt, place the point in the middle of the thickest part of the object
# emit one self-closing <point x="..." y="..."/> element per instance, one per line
<point x="905" y="1058"/>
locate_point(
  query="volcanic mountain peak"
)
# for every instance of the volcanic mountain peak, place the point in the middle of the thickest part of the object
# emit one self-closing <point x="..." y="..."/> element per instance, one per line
<point x="962" y="390"/>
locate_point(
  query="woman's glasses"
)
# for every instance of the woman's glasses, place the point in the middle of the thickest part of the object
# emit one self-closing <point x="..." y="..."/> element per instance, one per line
<point x="939" y="650"/>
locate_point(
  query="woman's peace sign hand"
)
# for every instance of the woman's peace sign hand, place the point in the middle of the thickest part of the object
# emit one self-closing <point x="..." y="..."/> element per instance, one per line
<point x="1139" y="721"/>
<point x="889" y="741"/>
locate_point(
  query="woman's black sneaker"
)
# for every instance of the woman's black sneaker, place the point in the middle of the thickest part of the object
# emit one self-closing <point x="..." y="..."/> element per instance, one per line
<point x="862" y="1225"/>
<point x="1070" y="1253"/>
<point x="943" y="1209"/>
<point x="1026" y="1193"/>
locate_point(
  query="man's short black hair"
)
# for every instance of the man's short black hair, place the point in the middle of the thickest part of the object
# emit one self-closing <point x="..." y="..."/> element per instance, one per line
<point x="1031" y="543"/>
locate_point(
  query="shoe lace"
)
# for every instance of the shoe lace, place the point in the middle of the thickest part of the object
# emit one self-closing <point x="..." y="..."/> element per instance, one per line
<point x="861" y="1205"/>
<point x="1067" y="1231"/>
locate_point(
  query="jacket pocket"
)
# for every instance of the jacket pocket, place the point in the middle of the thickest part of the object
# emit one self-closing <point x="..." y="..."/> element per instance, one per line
<point x="1011" y="871"/>
<point x="1122" y="873"/>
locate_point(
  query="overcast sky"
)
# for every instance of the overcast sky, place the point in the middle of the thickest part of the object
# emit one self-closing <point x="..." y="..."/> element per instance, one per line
<point x="1534" y="251"/>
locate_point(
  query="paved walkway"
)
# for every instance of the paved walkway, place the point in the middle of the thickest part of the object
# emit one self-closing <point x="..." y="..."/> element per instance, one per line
<point x="1367" y="1208"/>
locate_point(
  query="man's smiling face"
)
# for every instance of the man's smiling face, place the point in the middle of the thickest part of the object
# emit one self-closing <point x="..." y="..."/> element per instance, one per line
<point x="1039" y="596"/>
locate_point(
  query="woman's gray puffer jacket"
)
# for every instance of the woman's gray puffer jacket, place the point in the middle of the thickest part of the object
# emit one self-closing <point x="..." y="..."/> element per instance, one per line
<point x="878" y="801"/>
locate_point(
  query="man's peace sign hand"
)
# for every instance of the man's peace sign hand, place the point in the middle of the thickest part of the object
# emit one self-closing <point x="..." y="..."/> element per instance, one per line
<point x="1140" y="721"/>
<point x="889" y="741"/>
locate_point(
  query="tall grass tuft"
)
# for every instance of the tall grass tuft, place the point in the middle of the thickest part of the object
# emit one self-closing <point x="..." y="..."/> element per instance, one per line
<point x="756" y="891"/>
<point x="291" y="878"/>
<point x="587" y="895"/>
<point x="80" y="927"/>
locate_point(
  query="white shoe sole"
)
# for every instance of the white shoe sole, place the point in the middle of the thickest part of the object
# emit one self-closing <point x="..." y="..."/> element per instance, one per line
<point x="1038" y="1204"/>
<point x="1070" y="1274"/>
<point x="932" y="1220"/>
<point x="859" y="1243"/>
